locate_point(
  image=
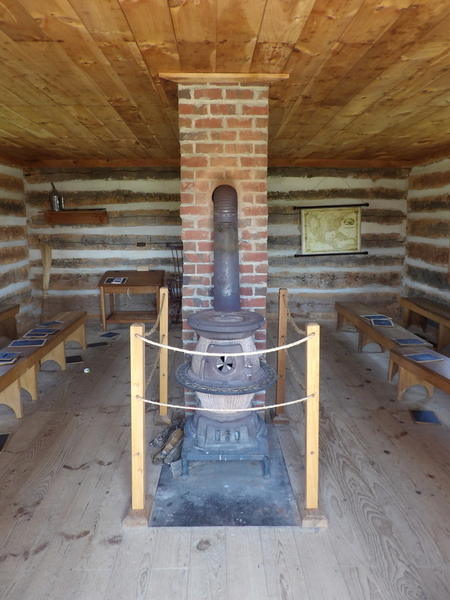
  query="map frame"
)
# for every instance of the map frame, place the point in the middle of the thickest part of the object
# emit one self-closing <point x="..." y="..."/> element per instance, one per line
<point x="331" y="230"/>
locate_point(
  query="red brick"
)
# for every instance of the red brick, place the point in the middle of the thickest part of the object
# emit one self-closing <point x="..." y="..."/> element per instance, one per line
<point x="253" y="211"/>
<point x="184" y="122"/>
<point x="194" y="161"/>
<point x="255" y="257"/>
<point x="206" y="246"/>
<point x="239" y="123"/>
<point x="186" y="148"/>
<point x="222" y="109"/>
<point x="254" y="186"/>
<point x="252" y="109"/>
<point x="203" y="148"/>
<point x="205" y="268"/>
<point x="192" y="109"/>
<point x="196" y="209"/>
<point x="193" y="135"/>
<point x="187" y="197"/>
<point x="208" y="93"/>
<point x="254" y="161"/>
<point x="208" y="123"/>
<point x="248" y="134"/>
<point x="223" y="134"/>
<point x="240" y="94"/>
<point x="223" y="161"/>
<point x="195" y="234"/>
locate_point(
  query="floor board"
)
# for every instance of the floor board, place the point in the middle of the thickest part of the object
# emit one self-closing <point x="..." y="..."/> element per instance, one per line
<point x="384" y="487"/>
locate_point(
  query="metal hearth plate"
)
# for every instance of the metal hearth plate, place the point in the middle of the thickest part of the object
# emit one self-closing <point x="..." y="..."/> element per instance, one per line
<point x="227" y="493"/>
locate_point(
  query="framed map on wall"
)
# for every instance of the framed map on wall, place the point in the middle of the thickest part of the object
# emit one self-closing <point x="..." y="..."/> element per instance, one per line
<point x="331" y="230"/>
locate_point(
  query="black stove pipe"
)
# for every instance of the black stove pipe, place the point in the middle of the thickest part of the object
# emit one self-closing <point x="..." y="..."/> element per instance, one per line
<point x="226" y="257"/>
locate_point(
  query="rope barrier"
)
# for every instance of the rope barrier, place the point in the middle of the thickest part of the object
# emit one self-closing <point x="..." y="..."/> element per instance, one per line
<point x="158" y="318"/>
<point x="198" y="353"/>
<point x="290" y="318"/>
<point x="229" y="410"/>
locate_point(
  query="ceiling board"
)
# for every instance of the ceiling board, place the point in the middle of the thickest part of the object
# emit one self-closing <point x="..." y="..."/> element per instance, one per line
<point x="368" y="80"/>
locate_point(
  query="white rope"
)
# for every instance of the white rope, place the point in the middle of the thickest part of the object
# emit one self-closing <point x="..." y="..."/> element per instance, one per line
<point x="198" y="353"/>
<point x="228" y="410"/>
<point x="158" y="318"/>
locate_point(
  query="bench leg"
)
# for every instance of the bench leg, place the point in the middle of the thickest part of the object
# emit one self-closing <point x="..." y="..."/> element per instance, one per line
<point x="11" y="397"/>
<point x="443" y="337"/>
<point x="407" y="379"/>
<point x="364" y="339"/>
<point x="28" y="381"/>
<point x="393" y="369"/>
<point x="58" y="354"/>
<point x="340" y="321"/>
<point x="79" y="335"/>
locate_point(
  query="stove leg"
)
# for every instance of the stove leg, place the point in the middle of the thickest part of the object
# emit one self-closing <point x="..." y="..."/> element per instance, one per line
<point x="266" y="467"/>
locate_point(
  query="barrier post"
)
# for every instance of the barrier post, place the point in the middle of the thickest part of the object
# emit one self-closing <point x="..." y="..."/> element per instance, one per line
<point x="139" y="512"/>
<point x="280" y="417"/>
<point x="312" y="417"/>
<point x="164" y="354"/>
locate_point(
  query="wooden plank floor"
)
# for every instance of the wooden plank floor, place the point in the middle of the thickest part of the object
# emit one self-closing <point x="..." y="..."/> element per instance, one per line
<point x="385" y="488"/>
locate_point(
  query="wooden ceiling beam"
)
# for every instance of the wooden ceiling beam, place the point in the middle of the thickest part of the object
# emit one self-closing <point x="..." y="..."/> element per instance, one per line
<point x="195" y="78"/>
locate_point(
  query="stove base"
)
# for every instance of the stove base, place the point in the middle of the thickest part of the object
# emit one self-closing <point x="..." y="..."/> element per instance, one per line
<point x="191" y="451"/>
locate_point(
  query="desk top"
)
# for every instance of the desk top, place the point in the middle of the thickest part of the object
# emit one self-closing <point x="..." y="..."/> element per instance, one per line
<point x="134" y="278"/>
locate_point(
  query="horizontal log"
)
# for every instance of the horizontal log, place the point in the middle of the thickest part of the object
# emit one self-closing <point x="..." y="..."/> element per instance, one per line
<point x="106" y="264"/>
<point x="429" y="180"/>
<point x="354" y="173"/>
<point x="100" y="198"/>
<point x="363" y="194"/>
<point x="316" y="306"/>
<point x="428" y="277"/>
<point x="339" y="261"/>
<point x="12" y="208"/>
<point x="429" y="204"/>
<point x="334" y="280"/>
<point x="13" y="255"/>
<point x="49" y="175"/>
<point x="11" y="183"/>
<point x="83" y="241"/>
<point x="17" y="275"/>
<point x="11" y="233"/>
<point x="433" y="255"/>
<point x="428" y="228"/>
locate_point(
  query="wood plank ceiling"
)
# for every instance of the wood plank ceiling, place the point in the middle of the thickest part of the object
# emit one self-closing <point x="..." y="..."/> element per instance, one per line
<point x="368" y="79"/>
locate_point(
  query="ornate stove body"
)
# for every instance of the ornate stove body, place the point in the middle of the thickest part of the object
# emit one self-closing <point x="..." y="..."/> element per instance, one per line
<point x="224" y="381"/>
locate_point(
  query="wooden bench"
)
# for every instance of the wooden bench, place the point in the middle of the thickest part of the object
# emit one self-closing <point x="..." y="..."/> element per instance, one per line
<point x="421" y="309"/>
<point x="8" y="327"/>
<point x="23" y="373"/>
<point x="352" y="312"/>
<point x="410" y="372"/>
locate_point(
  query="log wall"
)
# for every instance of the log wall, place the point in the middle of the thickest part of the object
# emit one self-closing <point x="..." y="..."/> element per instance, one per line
<point x="315" y="283"/>
<point x="143" y="208"/>
<point x="15" y="287"/>
<point x="428" y="233"/>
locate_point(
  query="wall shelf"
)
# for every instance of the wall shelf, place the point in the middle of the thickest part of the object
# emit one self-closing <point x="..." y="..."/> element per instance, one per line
<point x="75" y="217"/>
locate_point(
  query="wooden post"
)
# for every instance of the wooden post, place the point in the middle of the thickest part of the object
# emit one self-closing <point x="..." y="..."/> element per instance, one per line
<point x="164" y="354"/>
<point x="312" y="517"/>
<point x="140" y="505"/>
<point x="280" y="418"/>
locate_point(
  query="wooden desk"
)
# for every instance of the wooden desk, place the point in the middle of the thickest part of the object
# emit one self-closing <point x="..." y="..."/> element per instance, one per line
<point x="428" y="309"/>
<point x="138" y="282"/>
<point x="410" y="372"/>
